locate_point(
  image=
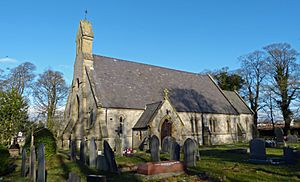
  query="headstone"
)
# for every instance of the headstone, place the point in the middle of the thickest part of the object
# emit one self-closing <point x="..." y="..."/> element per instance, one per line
<point x="174" y="151"/>
<point x="292" y="139"/>
<point x="96" y="178"/>
<point x="93" y="153"/>
<point x="118" y="145"/>
<point x="289" y="155"/>
<point x="154" y="148"/>
<point x="73" y="150"/>
<point x="41" y="163"/>
<point x="110" y="158"/>
<point x="166" y="143"/>
<point x="189" y="148"/>
<point x="73" y="177"/>
<point x="279" y="135"/>
<point x="83" y="151"/>
<point x="23" y="166"/>
<point x="257" y="149"/>
<point x="101" y="163"/>
<point x="32" y="171"/>
<point x="197" y="151"/>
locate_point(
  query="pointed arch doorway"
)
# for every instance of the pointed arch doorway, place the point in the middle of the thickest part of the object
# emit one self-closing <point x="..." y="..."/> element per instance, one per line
<point x="166" y="129"/>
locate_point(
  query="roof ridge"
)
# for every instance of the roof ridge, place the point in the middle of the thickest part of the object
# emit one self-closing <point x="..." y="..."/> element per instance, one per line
<point x="161" y="67"/>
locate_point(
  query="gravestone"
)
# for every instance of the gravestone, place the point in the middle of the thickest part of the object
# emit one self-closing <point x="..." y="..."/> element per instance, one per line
<point x="166" y="143"/>
<point x="41" y="163"/>
<point x="257" y="149"/>
<point x="83" y="151"/>
<point x="101" y="163"/>
<point x="174" y="151"/>
<point x="73" y="177"/>
<point x="197" y="151"/>
<point x="118" y="145"/>
<point x="292" y="139"/>
<point x="189" y="148"/>
<point x="279" y="135"/>
<point x="23" y="166"/>
<point x="73" y="150"/>
<point x="93" y="153"/>
<point x="154" y="148"/>
<point x="110" y="158"/>
<point x="289" y="155"/>
<point x="32" y="171"/>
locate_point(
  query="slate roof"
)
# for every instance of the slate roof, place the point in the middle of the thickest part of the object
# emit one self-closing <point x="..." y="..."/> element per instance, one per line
<point x="237" y="102"/>
<point x="147" y="115"/>
<point x="125" y="84"/>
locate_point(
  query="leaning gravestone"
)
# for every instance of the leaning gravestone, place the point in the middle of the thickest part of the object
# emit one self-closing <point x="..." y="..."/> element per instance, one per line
<point x="101" y="163"/>
<point x="110" y="158"/>
<point x="118" y="144"/>
<point x="174" y="151"/>
<point x="189" y="148"/>
<point x="83" y="151"/>
<point x="23" y="166"/>
<point x="154" y="148"/>
<point x="93" y="153"/>
<point x="279" y="135"/>
<point x="166" y="143"/>
<point x="32" y="159"/>
<point x="73" y="177"/>
<point x="73" y="150"/>
<point x="41" y="163"/>
<point x="257" y="149"/>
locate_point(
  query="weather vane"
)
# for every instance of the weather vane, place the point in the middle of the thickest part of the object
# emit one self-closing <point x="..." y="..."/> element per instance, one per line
<point x="85" y="14"/>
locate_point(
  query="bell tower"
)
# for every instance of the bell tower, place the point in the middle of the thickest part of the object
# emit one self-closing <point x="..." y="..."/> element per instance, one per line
<point x="84" y="41"/>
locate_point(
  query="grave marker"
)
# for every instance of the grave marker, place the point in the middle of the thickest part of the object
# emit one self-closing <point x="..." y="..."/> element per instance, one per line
<point x="154" y="148"/>
<point x="189" y="148"/>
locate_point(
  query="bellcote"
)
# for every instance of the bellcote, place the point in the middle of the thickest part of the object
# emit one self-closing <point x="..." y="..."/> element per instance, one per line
<point x="84" y="40"/>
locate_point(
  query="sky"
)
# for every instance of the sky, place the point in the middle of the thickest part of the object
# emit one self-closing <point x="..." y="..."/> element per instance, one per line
<point x="191" y="35"/>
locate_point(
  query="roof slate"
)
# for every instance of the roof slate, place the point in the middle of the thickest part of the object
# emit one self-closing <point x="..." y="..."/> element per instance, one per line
<point x="237" y="102"/>
<point x="125" y="84"/>
<point x="147" y="115"/>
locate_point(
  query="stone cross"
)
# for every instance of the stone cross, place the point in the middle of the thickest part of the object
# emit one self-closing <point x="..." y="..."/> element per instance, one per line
<point x="118" y="144"/>
<point x="258" y="149"/>
<point x="73" y="150"/>
<point x="23" y="166"/>
<point x="93" y="153"/>
<point x="110" y="158"/>
<point x="41" y="163"/>
<point x="154" y="149"/>
<point x="174" y="151"/>
<point x="189" y="148"/>
<point x="32" y="171"/>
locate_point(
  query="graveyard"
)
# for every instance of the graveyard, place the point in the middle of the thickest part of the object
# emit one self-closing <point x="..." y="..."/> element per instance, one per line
<point x="231" y="162"/>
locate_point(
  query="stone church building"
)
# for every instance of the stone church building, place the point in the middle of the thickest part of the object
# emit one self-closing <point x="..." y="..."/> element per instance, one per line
<point x="110" y="97"/>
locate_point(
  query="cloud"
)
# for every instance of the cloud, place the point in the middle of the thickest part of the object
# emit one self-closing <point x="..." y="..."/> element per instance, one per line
<point x="8" y="60"/>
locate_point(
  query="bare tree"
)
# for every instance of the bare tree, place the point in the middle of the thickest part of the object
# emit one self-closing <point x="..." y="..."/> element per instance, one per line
<point x="21" y="77"/>
<point x="285" y="74"/>
<point x="50" y="91"/>
<point x="253" y="71"/>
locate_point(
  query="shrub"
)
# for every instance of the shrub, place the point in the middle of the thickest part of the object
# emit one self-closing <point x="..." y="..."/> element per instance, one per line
<point x="45" y="136"/>
<point x="4" y="160"/>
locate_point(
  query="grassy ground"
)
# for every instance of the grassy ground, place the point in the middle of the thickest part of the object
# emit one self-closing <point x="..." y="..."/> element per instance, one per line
<point x="216" y="164"/>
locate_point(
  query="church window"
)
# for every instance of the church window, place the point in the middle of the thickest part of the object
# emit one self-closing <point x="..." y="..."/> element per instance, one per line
<point x="228" y="126"/>
<point x="91" y="118"/>
<point x="140" y="135"/>
<point x="247" y="123"/>
<point x="78" y="82"/>
<point x="78" y="107"/>
<point x="212" y="123"/>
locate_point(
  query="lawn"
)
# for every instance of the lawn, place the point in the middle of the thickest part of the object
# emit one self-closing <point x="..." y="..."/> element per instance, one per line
<point x="216" y="164"/>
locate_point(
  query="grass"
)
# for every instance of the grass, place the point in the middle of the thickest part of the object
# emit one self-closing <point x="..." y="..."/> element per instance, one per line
<point x="216" y="164"/>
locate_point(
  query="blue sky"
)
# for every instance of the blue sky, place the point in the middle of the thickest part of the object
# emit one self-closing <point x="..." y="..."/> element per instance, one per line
<point x="188" y="35"/>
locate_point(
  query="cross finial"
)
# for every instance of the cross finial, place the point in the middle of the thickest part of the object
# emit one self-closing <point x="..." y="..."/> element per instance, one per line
<point x="85" y="14"/>
<point x="166" y="93"/>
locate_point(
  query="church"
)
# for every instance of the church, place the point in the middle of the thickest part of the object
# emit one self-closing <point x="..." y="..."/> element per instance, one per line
<point x="111" y="97"/>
